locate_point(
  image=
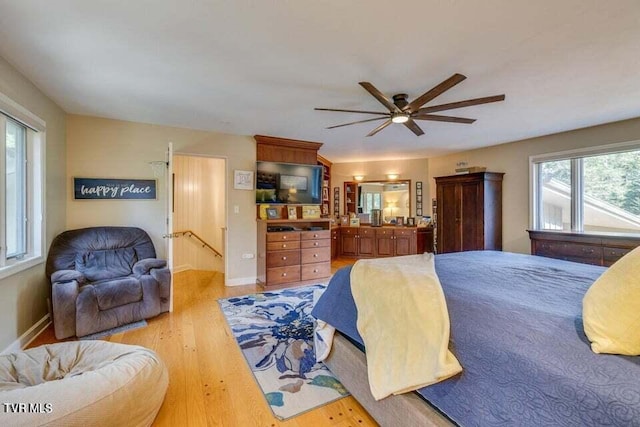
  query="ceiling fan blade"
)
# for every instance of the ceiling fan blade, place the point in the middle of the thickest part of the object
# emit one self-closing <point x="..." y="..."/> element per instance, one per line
<point x="461" y="104"/>
<point x="379" y="96"/>
<point x="436" y="118"/>
<point x="379" y="128"/>
<point x="429" y="95"/>
<point x="353" y="123"/>
<point x="352" y="111"/>
<point x="414" y="127"/>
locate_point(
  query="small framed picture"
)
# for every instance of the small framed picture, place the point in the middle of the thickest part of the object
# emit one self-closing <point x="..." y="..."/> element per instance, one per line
<point x="418" y="185"/>
<point x="419" y="192"/>
<point x="354" y="222"/>
<point x="399" y="221"/>
<point x="292" y="212"/>
<point x="325" y="194"/>
<point x="344" y="220"/>
<point x="272" y="213"/>
<point x="242" y="180"/>
<point x="411" y="221"/>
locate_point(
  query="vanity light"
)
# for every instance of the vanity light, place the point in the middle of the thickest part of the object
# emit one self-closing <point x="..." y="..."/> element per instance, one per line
<point x="358" y="177"/>
<point x="393" y="176"/>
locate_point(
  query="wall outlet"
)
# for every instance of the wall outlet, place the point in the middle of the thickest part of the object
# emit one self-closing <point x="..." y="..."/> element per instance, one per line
<point x="247" y="256"/>
<point x="236" y="209"/>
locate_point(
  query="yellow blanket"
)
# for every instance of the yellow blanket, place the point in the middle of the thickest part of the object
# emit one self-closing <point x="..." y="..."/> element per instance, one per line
<point x="404" y="322"/>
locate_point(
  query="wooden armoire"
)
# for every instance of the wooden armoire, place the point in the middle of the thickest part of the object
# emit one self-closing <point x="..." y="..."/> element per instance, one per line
<point x="469" y="212"/>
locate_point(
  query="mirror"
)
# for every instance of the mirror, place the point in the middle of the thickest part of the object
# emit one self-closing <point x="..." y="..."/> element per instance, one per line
<point x="393" y="197"/>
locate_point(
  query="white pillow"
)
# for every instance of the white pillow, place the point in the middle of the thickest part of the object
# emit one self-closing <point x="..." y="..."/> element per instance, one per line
<point x="611" y="308"/>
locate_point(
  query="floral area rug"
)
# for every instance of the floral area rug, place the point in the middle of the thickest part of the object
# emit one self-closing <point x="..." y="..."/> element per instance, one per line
<point x="275" y="333"/>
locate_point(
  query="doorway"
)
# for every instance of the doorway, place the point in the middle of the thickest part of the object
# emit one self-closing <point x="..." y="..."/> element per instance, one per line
<point x="199" y="213"/>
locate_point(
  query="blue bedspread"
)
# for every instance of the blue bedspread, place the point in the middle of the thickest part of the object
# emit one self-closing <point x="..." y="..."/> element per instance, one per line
<point x="516" y="328"/>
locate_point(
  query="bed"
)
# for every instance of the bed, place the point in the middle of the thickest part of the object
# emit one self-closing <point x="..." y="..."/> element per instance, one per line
<point x="516" y="328"/>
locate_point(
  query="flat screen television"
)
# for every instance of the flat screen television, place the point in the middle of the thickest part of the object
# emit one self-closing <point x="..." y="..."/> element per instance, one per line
<point x="288" y="183"/>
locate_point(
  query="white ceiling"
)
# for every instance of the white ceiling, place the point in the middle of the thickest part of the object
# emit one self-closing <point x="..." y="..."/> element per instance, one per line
<point x="260" y="67"/>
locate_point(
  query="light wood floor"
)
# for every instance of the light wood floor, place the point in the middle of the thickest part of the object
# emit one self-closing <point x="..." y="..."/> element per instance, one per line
<point x="209" y="380"/>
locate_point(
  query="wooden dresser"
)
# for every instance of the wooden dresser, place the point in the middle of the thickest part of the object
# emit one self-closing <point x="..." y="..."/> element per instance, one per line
<point x="593" y="248"/>
<point x="376" y="242"/>
<point x="294" y="256"/>
<point x="469" y="212"/>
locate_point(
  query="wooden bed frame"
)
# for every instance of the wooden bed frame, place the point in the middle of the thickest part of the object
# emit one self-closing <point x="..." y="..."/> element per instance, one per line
<point x="349" y="364"/>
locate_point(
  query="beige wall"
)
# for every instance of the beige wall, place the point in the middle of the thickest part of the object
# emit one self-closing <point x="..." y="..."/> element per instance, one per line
<point x="23" y="296"/>
<point x="413" y="169"/>
<point x="513" y="159"/>
<point x="107" y="148"/>
<point x="199" y="195"/>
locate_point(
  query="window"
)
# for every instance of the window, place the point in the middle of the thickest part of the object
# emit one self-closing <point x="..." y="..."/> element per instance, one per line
<point x="21" y="188"/>
<point x="372" y="201"/>
<point x="594" y="190"/>
<point x="16" y="189"/>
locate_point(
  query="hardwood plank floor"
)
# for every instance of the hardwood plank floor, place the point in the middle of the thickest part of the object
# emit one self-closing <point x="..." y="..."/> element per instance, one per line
<point x="210" y="383"/>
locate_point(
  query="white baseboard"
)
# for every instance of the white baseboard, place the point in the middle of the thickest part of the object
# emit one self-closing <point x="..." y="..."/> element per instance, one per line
<point x="31" y="334"/>
<point x="240" y="281"/>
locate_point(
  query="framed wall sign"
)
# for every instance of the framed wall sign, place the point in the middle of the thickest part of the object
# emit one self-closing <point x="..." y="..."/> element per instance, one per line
<point x="114" y="189"/>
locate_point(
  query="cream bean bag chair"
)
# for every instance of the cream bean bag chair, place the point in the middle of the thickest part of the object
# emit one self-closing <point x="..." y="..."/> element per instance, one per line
<point x="81" y="383"/>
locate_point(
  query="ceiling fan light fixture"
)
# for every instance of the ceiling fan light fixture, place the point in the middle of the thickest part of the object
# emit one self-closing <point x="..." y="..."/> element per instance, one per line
<point x="400" y="118"/>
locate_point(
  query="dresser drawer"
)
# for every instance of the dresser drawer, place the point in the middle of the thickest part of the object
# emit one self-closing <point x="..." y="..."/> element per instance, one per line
<point x="315" y="234"/>
<point x="279" y="275"/>
<point x="349" y="231"/>
<point x="318" y="243"/>
<point x="368" y="232"/>
<point x="282" y="258"/>
<point x="382" y="232"/>
<point x="283" y="245"/>
<point x="576" y="252"/>
<point x="313" y="255"/>
<point x="280" y="236"/>
<point x="406" y="232"/>
<point x="316" y="271"/>
<point x="611" y="255"/>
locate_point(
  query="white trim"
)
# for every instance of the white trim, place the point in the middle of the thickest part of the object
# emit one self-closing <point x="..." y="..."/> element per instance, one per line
<point x="21" y="265"/>
<point x="11" y="108"/>
<point x="240" y="281"/>
<point x="617" y="147"/>
<point x="27" y="338"/>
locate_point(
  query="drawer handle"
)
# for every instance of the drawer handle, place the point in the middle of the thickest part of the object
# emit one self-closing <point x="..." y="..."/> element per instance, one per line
<point x="315" y="235"/>
<point x="284" y="237"/>
<point x="587" y="251"/>
<point x="315" y="270"/>
<point x="315" y="243"/>
<point x="284" y="245"/>
<point x="315" y="255"/>
<point x="284" y="258"/>
<point x="284" y="274"/>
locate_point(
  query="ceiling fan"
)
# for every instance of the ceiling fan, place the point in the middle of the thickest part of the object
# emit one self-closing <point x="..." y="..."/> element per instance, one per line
<point x="405" y="112"/>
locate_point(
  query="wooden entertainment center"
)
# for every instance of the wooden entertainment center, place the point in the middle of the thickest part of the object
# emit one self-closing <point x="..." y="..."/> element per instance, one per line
<point x="299" y="251"/>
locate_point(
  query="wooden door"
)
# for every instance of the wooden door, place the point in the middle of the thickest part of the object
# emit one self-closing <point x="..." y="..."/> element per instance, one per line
<point x="335" y="243"/>
<point x="449" y="239"/>
<point x="471" y="215"/>
<point x="405" y="242"/>
<point x="385" y="242"/>
<point x="367" y="242"/>
<point x="349" y="241"/>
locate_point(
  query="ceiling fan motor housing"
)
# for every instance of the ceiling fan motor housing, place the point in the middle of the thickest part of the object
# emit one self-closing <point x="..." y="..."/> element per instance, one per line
<point x="400" y="100"/>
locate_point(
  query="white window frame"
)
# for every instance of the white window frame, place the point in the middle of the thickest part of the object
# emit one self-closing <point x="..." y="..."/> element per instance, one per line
<point x="36" y="212"/>
<point x="577" y="184"/>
